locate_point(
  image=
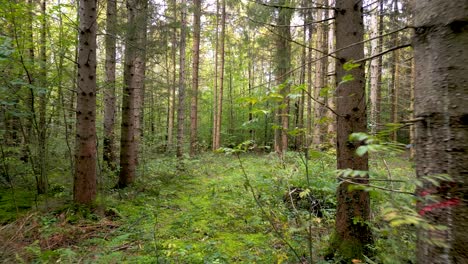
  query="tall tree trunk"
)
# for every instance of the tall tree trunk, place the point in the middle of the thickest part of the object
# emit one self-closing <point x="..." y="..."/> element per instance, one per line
<point x="195" y="66"/>
<point x="172" y="86"/>
<point x="42" y="126"/>
<point x="375" y="70"/>
<point x="215" y="86"/>
<point x="84" y="188"/>
<point x="219" y="112"/>
<point x="321" y="67"/>
<point x="309" y="80"/>
<point x="412" y="128"/>
<point x="353" y="209"/>
<point x="331" y="129"/>
<point x="181" y="107"/>
<point x="109" y="93"/>
<point x="250" y="72"/>
<point x="283" y="65"/>
<point x="395" y="82"/>
<point x="300" y="105"/>
<point x="134" y="77"/>
<point x="441" y="96"/>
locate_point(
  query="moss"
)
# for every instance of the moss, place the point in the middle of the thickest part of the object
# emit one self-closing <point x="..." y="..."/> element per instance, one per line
<point x="346" y="250"/>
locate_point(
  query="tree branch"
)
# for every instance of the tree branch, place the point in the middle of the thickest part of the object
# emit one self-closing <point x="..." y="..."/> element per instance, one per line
<point x="295" y="8"/>
<point x="384" y="52"/>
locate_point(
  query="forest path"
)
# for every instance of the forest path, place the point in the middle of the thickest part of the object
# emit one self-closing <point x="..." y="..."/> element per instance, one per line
<point x="204" y="214"/>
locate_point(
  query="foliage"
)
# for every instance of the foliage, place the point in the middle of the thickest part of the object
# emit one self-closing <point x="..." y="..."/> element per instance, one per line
<point x="200" y="211"/>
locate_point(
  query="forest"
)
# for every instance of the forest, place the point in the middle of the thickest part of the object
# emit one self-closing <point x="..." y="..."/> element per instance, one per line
<point x="234" y="131"/>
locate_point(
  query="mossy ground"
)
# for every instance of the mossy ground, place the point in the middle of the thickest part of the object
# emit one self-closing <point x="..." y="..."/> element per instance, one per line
<point x="192" y="211"/>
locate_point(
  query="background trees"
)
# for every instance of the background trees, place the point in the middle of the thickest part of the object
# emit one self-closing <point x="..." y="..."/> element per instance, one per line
<point x="279" y="75"/>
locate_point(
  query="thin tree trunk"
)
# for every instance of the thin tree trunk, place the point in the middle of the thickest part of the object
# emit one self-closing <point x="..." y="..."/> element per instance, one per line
<point x="172" y="88"/>
<point x="84" y="187"/>
<point x="309" y="80"/>
<point x="283" y="65"/>
<point x="412" y="128"/>
<point x="109" y="156"/>
<point x="195" y="66"/>
<point x="42" y="126"/>
<point x="441" y="98"/>
<point x="331" y="129"/>
<point x="181" y="107"/>
<point x="395" y="77"/>
<point x="375" y="70"/>
<point x="353" y="207"/>
<point x="219" y="112"/>
<point x="215" y="88"/>
<point x="320" y="78"/>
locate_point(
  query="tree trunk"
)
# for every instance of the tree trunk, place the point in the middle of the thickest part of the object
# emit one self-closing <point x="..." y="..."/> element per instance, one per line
<point x="441" y="96"/>
<point x="215" y="86"/>
<point x="181" y="107"/>
<point x="309" y="80"/>
<point x="42" y="126"/>
<point x="394" y="71"/>
<point x="375" y="70"/>
<point x="172" y="87"/>
<point x="109" y="93"/>
<point x="353" y="209"/>
<point x="134" y="77"/>
<point x="321" y="67"/>
<point x="331" y="129"/>
<point x="84" y="188"/>
<point x="219" y="112"/>
<point x="283" y="65"/>
<point x="195" y="66"/>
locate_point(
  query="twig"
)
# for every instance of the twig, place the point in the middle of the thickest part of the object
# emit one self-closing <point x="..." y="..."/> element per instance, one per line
<point x="383" y="52"/>
<point x="369" y="179"/>
<point x="321" y="103"/>
<point x="378" y="187"/>
<point x="414" y="120"/>
<point x="389" y="174"/>
<point x="295" y="8"/>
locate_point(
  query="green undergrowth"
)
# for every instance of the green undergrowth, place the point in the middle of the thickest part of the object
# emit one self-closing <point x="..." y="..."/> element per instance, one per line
<point x="211" y="209"/>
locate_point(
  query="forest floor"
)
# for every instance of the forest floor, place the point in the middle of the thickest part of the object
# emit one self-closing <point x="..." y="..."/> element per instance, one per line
<point x="213" y="209"/>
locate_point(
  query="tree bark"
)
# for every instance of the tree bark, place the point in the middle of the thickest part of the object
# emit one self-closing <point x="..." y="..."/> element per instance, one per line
<point x="181" y="107"/>
<point x="173" y="85"/>
<point x="395" y="82"/>
<point x="134" y="77"/>
<point x="84" y="188"/>
<point x="309" y="81"/>
<point x="215" y="86"/>
<point x="219" y="112"/>
<point x="331" y="129"/>
<point x="320" y="78"/>
<point x="42" y="126"/>
<point x="375" y="70"/>
<point x="441" y="96"/>
<point x="195" y="68"/>
<point x="283" y="65"/>
<point x="109" y="93"/>
<point x="353" y="209"/>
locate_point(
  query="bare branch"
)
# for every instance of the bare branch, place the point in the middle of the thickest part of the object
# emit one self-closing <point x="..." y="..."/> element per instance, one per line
<point x="317" y="6"/>
<point x="384" y="52"/>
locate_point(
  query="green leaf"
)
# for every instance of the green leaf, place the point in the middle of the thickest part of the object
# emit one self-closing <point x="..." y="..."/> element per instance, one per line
<point x="350" y="65"/>
<point x="347" y="78"/>
<point x="304" y="193"/>
<point x="361" y="151"/>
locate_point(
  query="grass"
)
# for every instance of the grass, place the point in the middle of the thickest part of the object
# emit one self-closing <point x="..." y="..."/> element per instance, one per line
<point x="200" y="211"/>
